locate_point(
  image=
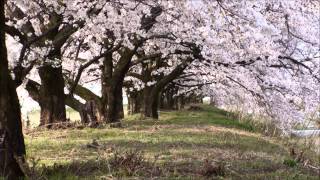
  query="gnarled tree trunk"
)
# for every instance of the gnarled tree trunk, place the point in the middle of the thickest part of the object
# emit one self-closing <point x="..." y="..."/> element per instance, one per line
<point x="12" y="146"/>
<point x="112" y="79"/>
<point x="51" y="96"/>
<point x="115" y="106"/>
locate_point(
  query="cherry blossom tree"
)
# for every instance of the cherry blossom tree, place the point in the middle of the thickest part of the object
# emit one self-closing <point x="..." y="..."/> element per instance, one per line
<point x="43" y="28"/>
<point x="262" y="56"/>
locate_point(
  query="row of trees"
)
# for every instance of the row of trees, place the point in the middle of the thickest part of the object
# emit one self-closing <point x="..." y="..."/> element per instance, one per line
<point x="112" y="52"/>
<point x="261" y="54"/>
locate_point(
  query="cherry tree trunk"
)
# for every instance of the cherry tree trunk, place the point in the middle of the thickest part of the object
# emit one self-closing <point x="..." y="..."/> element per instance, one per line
<point x="150" y="102"/>
<point x="163" y="102"/>
<point x="176" y="103"/>
<point x="112" y="84"/>
<point x="115" y="107"/>
<point x="134" y="103"/>
<point x="130" y="105"/>
<point x="51" y="96"/>
<point x="12" y="148"/>
<point x="89" y="114"/>
<point x="11" y="138"/>
<point x="154" y="106"/>
<point x="170" y="100"/>
<point x="120" y="108"/>
<point x="147" y="101"/>
<point x="112" y="100"/>
<point x="181" y="102"/>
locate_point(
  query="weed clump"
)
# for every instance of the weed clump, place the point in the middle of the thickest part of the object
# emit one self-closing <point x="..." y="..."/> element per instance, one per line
<point x="290" y="162"/>
<point x="130" y="163"/>
<point x="213" y="169"/>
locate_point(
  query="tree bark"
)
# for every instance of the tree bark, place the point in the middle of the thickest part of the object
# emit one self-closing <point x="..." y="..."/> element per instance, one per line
<point x="51" y="96"/>
<point x="12" y="148"/>
<point x="151" y="102"/>
<point x="137" y="103"/>
<point x="155" y="104"/>
<point x="113" y="79"/>
<point x="120" y="105"/>
<point x="106" y="76"/>
<point x="89" y="96"/>
<point x="115" y="106"/>
<point x="88" y="114"/>
<point x="181" y="102"/>
<point x="147" y="101"/>
<point x="168" y="101"/>
<point x="112" y="106"/>
<point x="134" y="102"/>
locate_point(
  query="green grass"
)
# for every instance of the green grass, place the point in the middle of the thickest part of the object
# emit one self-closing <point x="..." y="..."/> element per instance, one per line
<point x="174" y="147"/>
<point x="74" y="116"/>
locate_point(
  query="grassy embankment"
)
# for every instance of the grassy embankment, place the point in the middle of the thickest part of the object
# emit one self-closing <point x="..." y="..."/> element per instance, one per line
<point x="181" y="145"/>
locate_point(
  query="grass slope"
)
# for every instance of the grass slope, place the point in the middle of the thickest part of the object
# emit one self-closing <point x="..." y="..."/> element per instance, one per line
<point x="181" y="145"/>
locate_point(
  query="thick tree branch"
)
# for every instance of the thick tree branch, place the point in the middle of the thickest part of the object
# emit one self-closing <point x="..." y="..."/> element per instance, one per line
<point x="87" y="64"/>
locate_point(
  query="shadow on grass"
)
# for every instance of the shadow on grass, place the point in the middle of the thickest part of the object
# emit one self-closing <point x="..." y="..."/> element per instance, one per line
<point x="125" y="165"/>
<point x="164" y="141"/>
<point x="172" y="168"/>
